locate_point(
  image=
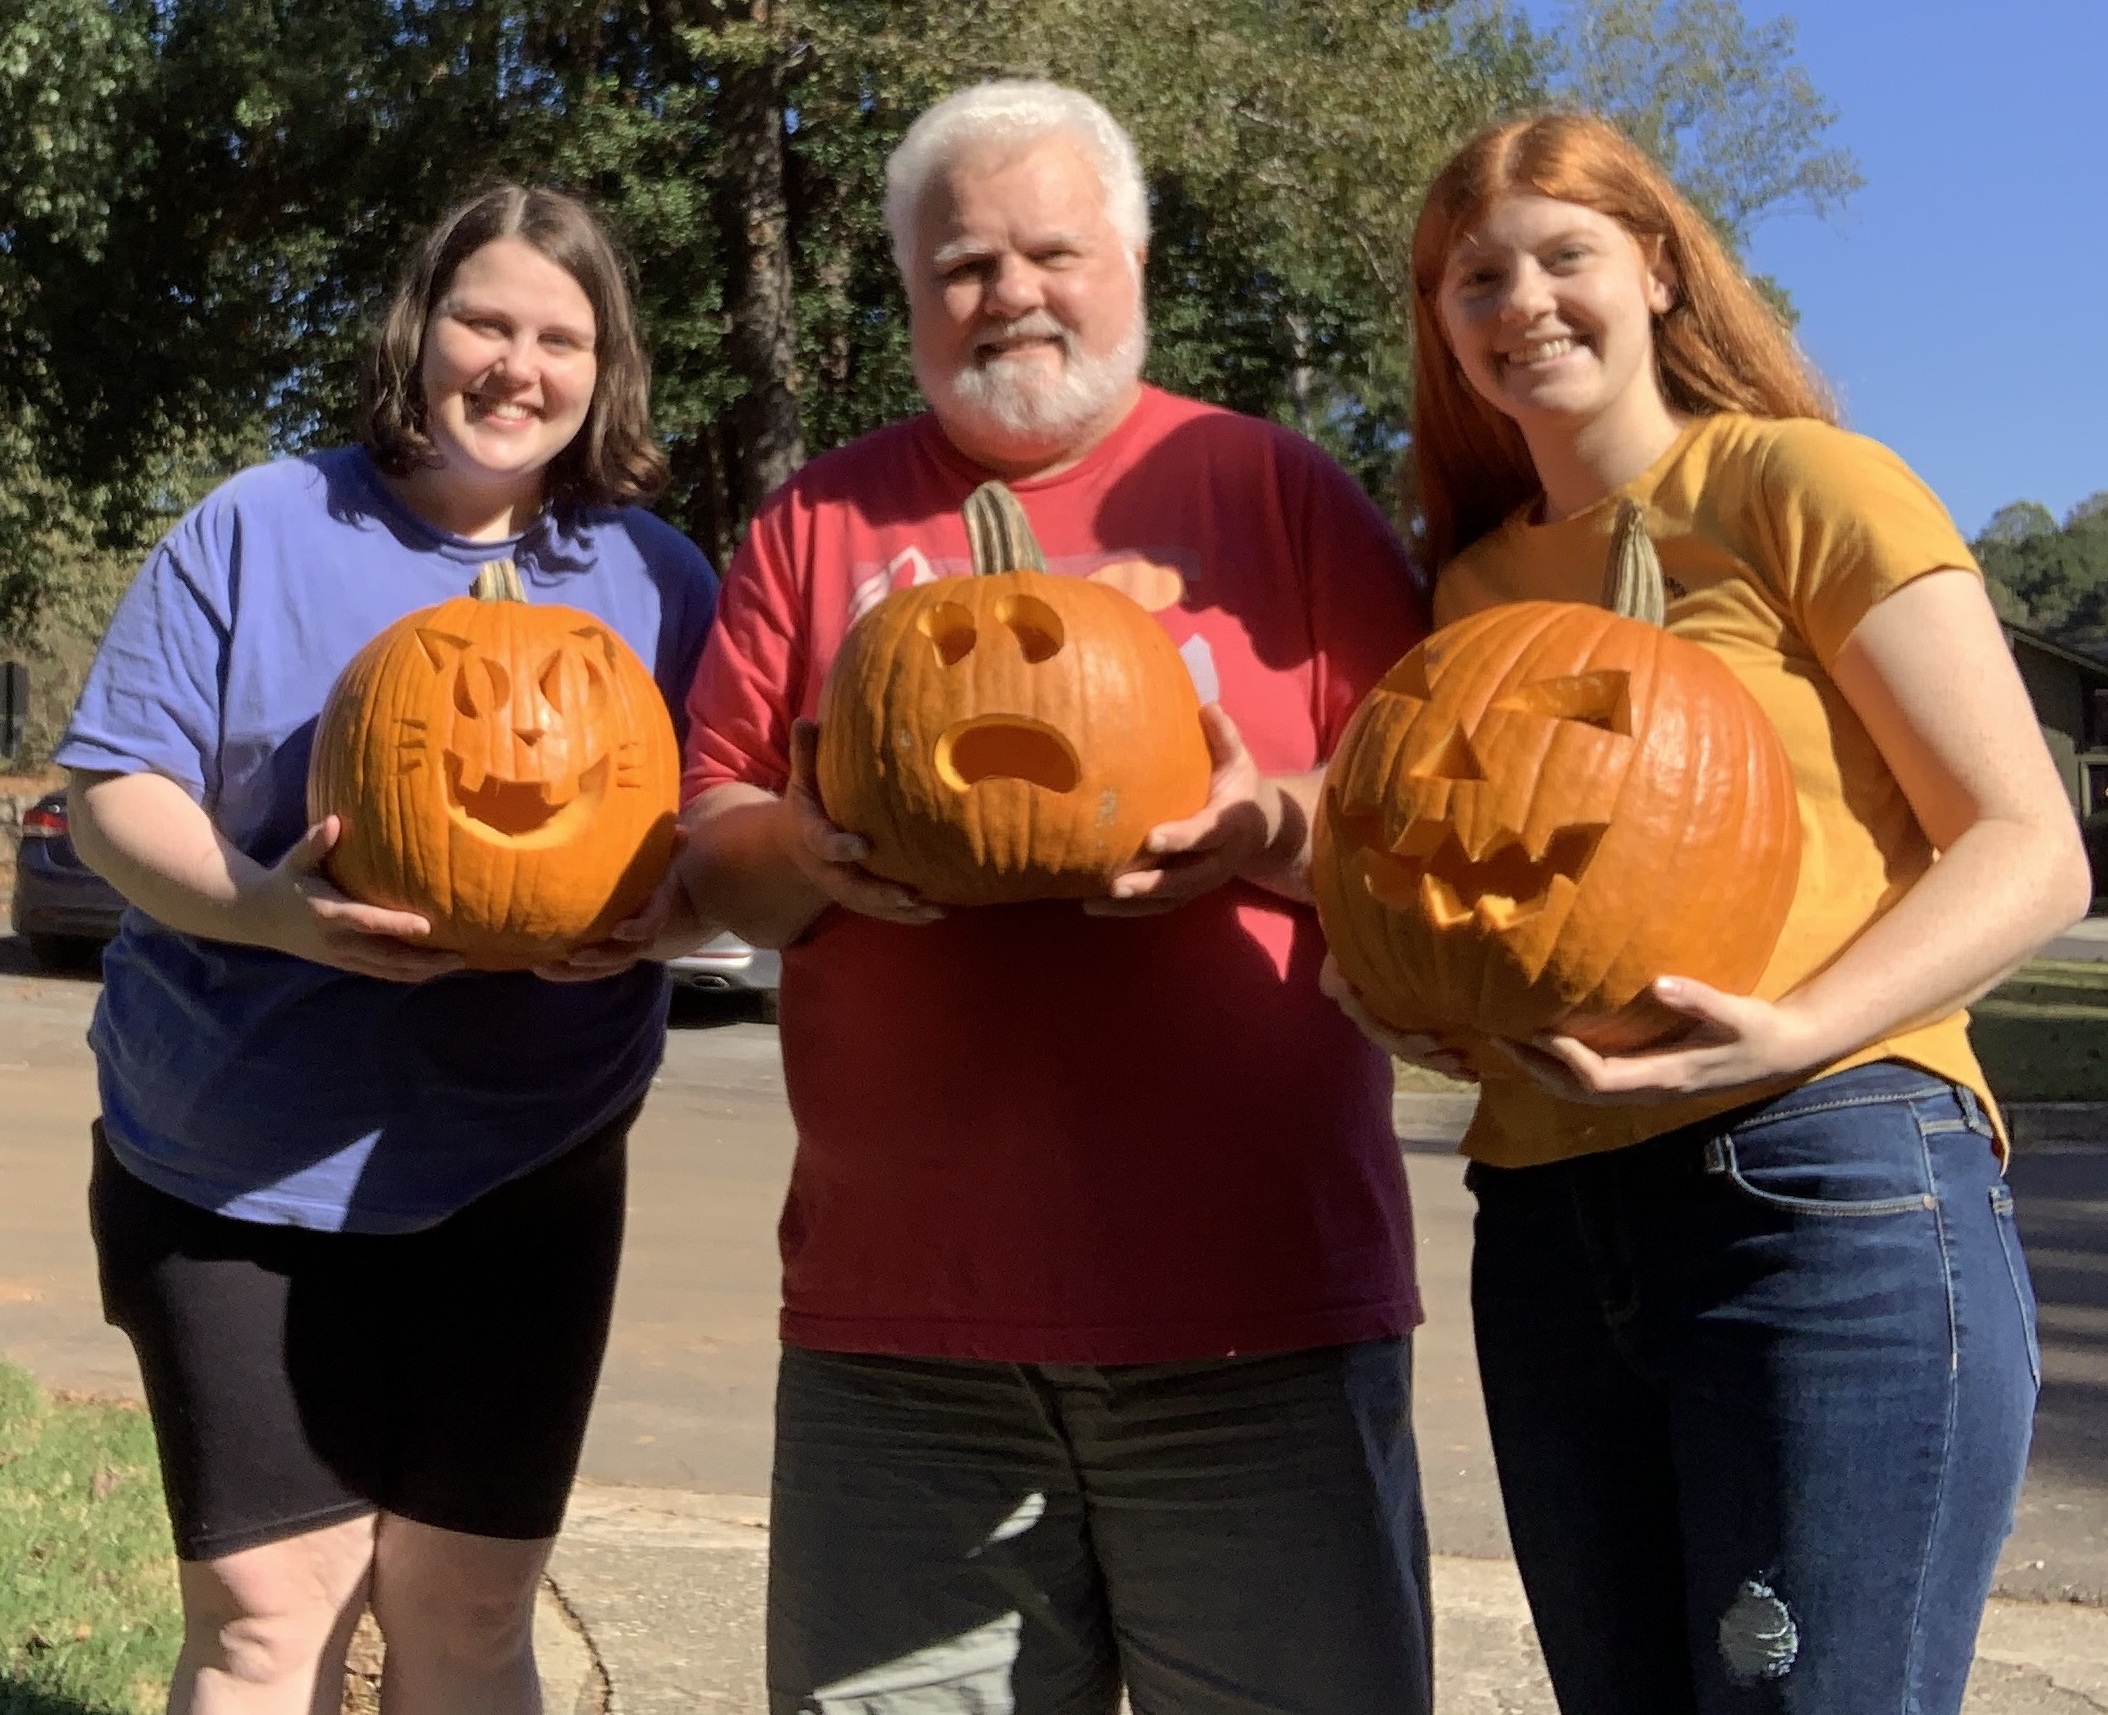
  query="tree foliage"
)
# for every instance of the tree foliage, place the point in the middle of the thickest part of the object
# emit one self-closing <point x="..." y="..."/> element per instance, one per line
<point x="204" y="202"/>
<point x="1722" y="103"/>
<point x="2049" y="577"/>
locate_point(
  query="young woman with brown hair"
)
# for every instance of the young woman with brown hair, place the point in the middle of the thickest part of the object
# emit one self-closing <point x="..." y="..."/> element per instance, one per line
<point x="359" y="1210"/>
<point x="1753" y="1324"/>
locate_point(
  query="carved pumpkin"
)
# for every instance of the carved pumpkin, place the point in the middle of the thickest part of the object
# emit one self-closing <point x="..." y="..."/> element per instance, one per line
<point x="1012" y="735"/>
<point x="506" y="770"/>
<point x="1544" y="807"/>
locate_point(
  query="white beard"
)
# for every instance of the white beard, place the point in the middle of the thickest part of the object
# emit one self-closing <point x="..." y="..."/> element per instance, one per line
<point x="1015" y="403"/>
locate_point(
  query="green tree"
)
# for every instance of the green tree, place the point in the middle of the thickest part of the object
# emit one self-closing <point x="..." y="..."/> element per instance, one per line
<point x="1722" y="103"/>
<point x="2049" y="577"/>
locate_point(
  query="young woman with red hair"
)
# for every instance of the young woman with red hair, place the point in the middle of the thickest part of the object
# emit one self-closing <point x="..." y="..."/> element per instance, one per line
<point x="1755" y="1331"/>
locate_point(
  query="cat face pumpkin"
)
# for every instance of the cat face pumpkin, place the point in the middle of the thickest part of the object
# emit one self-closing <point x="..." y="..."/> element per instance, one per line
<point x="507" y="771"/>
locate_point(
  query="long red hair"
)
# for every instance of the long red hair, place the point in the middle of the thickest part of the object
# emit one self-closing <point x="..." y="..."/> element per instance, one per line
<point x="1720" y="347"/>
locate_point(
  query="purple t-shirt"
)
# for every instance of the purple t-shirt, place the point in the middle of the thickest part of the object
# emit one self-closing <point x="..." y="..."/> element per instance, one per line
<point x="269" y="1088"/>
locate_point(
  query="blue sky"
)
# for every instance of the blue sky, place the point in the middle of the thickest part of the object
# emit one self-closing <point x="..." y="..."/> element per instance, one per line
<point x="1960" y="303"/>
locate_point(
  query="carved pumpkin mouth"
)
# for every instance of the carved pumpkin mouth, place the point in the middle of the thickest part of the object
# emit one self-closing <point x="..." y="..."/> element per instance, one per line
<point x="1006" y="747"/>
<point x="1503" y="885"/>
<point x="524" y="813"/>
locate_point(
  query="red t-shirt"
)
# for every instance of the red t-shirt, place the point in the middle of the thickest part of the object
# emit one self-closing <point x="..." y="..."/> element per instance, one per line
<point x="1029" y="1134"/>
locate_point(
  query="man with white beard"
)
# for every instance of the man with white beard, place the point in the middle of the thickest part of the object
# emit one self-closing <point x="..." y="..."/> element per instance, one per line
<point x="1097" y="1254"/>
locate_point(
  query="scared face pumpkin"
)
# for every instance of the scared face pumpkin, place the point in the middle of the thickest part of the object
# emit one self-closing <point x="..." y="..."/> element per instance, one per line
<point x="1009" y="736"/>
<point x="507" y="771"/>
<point x="1540" y="810"/>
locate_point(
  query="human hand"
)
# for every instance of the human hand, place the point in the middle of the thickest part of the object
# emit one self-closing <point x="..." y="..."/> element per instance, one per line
<point x="300" y="913"/>
<point x="1729" y="1042"/>
<point x="831" y="858"/>
<point x="667" y="926"/>
<point x="1225" y="838"/>
<point x="1436" y="1053"/>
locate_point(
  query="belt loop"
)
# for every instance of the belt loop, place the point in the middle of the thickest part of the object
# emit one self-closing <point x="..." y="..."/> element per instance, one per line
<point x="1965" y="1099"/>
<point x="1719" y="1155"/>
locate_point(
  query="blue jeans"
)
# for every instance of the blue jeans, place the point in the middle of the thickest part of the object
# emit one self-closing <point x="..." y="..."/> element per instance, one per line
<point x="1760" y="1393"/>
<point x="1233" y="1537"/>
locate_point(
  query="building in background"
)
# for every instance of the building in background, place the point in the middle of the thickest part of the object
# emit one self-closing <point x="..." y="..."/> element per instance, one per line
<point x="2070" y="693"/>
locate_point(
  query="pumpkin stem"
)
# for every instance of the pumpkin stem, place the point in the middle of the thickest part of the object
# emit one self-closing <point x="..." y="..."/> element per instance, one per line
<point x="499" y="580"/>
<point x="1000" y="534"/>
<point x="1632" y="581"/>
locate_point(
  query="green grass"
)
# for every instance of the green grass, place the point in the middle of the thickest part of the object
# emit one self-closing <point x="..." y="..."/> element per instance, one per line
<point x="2043" y="1035"/>
<point x="89" y="1620"/>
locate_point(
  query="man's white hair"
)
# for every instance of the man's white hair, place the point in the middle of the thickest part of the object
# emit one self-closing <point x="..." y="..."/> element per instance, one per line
<point x="1013" y="110"/>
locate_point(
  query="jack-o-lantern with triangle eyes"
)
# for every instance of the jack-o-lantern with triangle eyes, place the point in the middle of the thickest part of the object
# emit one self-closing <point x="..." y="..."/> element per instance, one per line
<point x="1009" y="736"/>
<point x="1544" y="807"/>
<point x="506" y="770"/>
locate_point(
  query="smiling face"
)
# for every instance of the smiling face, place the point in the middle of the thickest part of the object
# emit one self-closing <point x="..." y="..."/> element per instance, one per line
<point x="1540" y="810"/>
<point x="1548" y="308"/>
<point x="508" y="372"/>
<point x="1025" y="306"/>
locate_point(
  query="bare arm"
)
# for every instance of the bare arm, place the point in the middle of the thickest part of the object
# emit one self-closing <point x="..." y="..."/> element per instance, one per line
<point x="1929" y="674"/>
<point x="770" y="865"/>
<point x="150" y="840"/>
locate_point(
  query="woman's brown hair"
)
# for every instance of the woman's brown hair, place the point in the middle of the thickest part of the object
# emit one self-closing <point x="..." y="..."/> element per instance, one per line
<point x="614" y="459"/>
<point x="1720" y="346"/>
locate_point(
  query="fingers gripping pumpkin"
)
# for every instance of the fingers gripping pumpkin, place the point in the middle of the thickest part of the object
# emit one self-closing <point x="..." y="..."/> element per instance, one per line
<point x="1012" y="735"/>
<point x="1546" y="806"/>
<point x="506" y="770"/>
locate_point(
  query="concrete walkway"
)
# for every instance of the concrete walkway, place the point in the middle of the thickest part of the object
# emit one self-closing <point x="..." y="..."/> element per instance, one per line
<point x="2083" y="940"/>
<point x="656" y="1588"/>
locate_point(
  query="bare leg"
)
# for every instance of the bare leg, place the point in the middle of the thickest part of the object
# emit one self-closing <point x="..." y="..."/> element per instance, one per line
<point x="265" y="1630"/>
<point x="457" y="1614"/>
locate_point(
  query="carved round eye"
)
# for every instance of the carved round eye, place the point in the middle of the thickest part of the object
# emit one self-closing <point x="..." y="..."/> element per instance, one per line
<point x="1036" y="626"/>
<point x="480" y="686"/>
<point x="950" y="628"/>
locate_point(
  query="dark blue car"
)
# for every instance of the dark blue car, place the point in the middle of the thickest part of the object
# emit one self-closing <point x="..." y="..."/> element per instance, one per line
<point x="62" y="908"/>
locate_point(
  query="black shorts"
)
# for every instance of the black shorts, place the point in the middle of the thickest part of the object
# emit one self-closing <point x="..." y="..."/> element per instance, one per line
<point x="299" y="1378"/>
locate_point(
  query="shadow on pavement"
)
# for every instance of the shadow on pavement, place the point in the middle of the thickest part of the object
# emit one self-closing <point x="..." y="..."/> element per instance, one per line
<point x="15" y="961"/>
<point x="711" y="1009"/>
<point x="2061" y="1193"/>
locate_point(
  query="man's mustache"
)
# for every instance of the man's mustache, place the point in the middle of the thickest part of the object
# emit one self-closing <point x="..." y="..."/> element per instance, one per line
<point x="1037" y="324"/>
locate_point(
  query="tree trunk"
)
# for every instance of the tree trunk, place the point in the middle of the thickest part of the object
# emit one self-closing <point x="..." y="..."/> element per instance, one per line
<point x="766" y="431"/>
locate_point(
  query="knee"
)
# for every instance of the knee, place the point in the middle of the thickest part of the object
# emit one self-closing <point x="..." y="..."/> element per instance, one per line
<point x="264" y="1632"/>
<point x="481" y="1628"/>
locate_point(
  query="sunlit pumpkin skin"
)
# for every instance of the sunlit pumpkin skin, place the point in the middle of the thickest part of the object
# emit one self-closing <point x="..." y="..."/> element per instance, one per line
<point x="1009" y="736"/>
<point x="1541" y="809"/>
<point x="506" y="770"/>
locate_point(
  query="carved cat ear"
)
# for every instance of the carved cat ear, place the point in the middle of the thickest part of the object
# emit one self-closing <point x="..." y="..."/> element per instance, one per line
<point x="603" y="640"/>
<point x="442" y="648"/>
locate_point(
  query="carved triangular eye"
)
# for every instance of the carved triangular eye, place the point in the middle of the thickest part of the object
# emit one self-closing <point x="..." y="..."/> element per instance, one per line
<point x="1602" y="699"/>
<point x="1449" y="758"/>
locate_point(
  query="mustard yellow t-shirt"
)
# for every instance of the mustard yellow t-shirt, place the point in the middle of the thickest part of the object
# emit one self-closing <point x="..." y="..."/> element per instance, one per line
<point x="1776" y="538"/>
